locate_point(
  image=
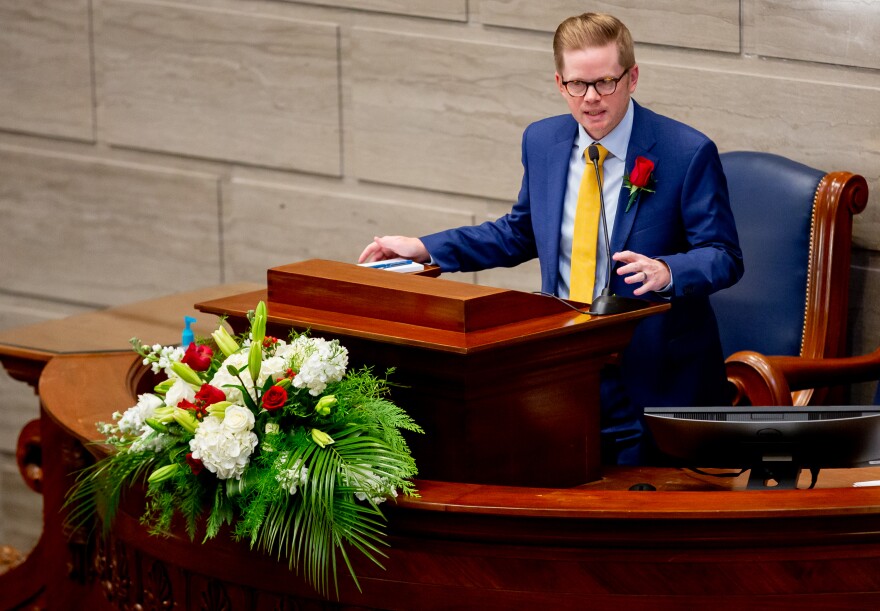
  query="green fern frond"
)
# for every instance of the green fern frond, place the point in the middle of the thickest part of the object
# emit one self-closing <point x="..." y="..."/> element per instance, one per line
<point x="99" y="488"/>
<point x="221" y="513"/>
<point x="190" y="501"/>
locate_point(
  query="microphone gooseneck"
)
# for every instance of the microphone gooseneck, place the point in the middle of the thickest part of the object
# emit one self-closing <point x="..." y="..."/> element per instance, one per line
<point x="606" y="303"/>
<point x="593" y="153"/>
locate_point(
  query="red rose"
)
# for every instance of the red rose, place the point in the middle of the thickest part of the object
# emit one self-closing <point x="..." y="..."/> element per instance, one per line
<point x="198" y="357"/>
<point x="199" y="408"/>
<point x="207" y="395"/>
<point x="641" y="172"/>
<point x="274" y="398"/>
<point x="210" y="395"/>
<point x="195" y="464"/>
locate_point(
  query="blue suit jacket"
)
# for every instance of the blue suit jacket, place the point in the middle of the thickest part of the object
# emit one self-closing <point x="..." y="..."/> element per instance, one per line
<point x="674" y="358"/>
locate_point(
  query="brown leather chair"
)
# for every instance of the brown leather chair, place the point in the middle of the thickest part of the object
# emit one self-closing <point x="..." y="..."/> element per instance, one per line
<point x="795" y="229"/>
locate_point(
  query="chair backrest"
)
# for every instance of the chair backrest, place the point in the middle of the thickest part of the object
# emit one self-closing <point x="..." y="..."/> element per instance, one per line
<point x="795" y="230"/>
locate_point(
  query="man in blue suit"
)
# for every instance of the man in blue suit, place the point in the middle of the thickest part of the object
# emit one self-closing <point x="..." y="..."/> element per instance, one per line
<point x="674" y="241"/>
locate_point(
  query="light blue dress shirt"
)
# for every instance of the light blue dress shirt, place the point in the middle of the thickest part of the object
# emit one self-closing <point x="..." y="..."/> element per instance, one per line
<point x="616" y="142"/>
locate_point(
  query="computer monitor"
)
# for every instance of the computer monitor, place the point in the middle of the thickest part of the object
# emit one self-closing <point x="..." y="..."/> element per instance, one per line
<point x="775" y="443"/>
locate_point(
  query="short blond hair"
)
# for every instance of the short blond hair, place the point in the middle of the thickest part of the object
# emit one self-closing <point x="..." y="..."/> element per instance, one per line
<point x="593" y="30"/>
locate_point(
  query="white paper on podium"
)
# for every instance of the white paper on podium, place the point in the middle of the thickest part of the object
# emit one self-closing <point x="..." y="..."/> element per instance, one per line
<point x="395" y="265"/>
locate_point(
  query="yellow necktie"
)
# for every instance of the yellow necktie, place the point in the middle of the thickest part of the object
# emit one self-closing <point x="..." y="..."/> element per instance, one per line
<point x="586" y="233"/>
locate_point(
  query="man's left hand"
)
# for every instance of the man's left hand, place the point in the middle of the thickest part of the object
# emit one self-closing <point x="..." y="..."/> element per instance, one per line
<point x="653" y="274"/>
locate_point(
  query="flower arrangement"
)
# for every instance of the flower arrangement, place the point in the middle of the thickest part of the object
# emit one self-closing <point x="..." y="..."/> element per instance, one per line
<point x="640" y="179"/>
<point x="274" y="438"/>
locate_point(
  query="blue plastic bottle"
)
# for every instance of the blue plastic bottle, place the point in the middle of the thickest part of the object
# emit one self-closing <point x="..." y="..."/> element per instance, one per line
<point x="188" y="337"/>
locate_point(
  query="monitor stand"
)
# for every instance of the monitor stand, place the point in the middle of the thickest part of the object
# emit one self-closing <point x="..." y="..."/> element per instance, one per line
<point x="782" y="470"/>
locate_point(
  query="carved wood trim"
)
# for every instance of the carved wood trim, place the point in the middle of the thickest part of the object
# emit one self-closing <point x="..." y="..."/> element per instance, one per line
<point x="839" y="196"/>
<point x="158" y="589"/>
<point x="24" y="585"/>
<point x="29" y="456"/>
<point x="756" y="380"/>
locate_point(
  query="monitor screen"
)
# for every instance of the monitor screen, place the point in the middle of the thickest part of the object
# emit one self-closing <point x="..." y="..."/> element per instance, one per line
<point x="777" y="441"/>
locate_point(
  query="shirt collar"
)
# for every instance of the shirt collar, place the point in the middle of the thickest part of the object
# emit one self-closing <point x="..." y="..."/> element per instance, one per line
<point x="617" y="140"/>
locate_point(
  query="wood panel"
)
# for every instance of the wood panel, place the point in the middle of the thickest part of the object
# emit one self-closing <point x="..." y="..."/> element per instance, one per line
<point x="691" y="544"/>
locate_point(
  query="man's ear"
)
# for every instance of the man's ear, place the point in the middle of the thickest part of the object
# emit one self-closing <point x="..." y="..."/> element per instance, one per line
<point x="633" y="78"/>
<point x="559" y="84"/>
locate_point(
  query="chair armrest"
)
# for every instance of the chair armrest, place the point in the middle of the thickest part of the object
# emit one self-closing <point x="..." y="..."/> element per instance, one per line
<point x="769" y="380"/>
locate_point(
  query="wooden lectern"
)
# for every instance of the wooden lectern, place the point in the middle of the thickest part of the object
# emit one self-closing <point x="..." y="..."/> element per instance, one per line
<point x="505" y="383"/>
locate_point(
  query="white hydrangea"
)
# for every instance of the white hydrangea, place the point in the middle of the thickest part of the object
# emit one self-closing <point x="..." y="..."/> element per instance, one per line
<point x="317" y="362"/>
<point x="225" y="446"/>
<point x="133" y="420"/>
<point x="291" y="477"/>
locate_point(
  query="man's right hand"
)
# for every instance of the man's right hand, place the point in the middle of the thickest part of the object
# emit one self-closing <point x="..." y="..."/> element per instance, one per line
<point x="391" y="246"/>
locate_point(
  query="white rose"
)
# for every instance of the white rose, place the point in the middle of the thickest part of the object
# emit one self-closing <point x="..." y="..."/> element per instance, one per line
<point x="226" y="381"/>
<point x="271" y="367"/>
<point x="179" y="390"/>
<point x="238" y="418"/>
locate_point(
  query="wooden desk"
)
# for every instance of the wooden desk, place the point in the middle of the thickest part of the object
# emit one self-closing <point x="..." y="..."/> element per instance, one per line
<point x="694" y="543"/>
<point x="25" y="351"/>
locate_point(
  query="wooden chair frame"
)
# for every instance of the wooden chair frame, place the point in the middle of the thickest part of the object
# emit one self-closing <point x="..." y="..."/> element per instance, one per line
<point x="761" y="379"/>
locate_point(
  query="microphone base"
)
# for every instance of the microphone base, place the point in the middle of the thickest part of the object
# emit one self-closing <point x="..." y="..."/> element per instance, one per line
<point x="613" y="304"/>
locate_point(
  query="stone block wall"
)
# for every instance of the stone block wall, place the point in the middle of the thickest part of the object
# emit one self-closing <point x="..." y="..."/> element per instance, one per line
<point x="154" y="146"/>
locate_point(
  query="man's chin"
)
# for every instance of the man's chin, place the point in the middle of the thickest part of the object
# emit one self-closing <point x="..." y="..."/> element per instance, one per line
<point x="596" y="131"/>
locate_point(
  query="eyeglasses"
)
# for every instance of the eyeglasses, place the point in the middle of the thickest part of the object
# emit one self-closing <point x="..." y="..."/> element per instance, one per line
<point x="606" y="86"/>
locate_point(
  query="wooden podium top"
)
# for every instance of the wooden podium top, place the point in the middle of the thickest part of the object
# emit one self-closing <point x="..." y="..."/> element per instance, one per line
<point x="427" y="302"/>
<point x="446" y="315"/>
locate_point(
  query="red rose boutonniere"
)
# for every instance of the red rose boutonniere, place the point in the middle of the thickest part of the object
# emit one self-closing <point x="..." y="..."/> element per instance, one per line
<point x="640" y="179"/>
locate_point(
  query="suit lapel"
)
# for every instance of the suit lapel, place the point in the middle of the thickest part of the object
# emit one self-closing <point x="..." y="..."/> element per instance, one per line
<point x="641" y="141"/>
<point x="558" y="156"/>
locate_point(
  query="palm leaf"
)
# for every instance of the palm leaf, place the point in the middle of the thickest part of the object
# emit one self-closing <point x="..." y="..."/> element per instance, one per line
<point x="311" y="527"/>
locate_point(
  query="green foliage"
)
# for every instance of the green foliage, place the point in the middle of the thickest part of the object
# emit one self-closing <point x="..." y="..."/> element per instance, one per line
<point x="305" y="504"/>
<point x="366" y="397"/>
<point x="99" y="488"/>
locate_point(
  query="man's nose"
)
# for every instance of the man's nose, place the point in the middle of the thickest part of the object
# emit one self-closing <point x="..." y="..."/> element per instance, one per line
<point x="591" y="95"/>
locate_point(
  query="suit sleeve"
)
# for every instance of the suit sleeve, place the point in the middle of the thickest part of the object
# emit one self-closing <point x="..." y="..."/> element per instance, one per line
<point x="713" y="259"/>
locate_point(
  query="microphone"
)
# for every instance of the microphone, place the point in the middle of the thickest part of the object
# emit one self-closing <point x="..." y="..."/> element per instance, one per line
<point x="606" y="303"/>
